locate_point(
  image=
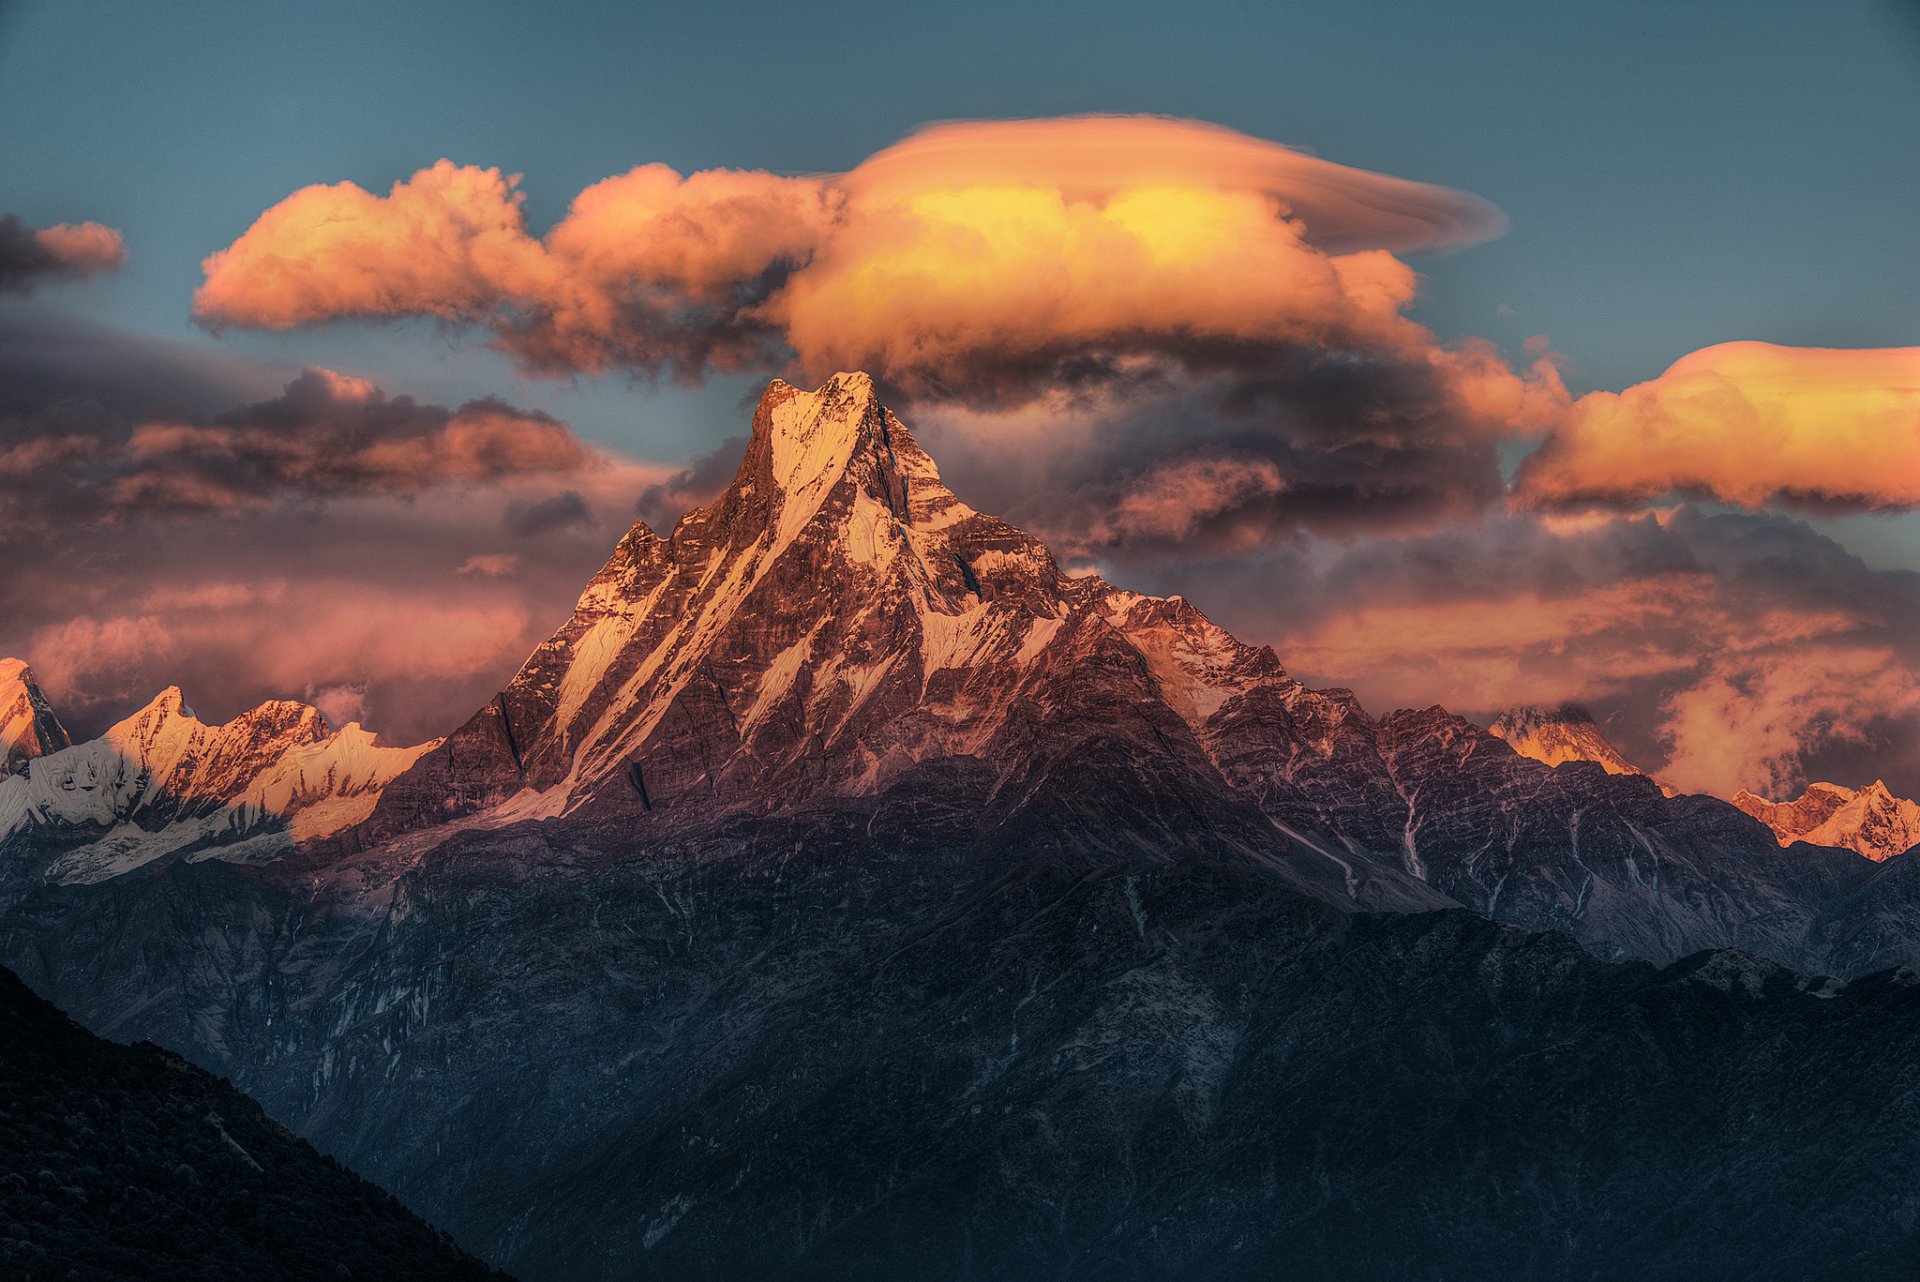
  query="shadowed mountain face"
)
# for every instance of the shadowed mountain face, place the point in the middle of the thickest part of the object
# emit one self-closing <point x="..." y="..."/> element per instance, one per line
<point x="127" y="1162"/>
<point x="844" y="891"/>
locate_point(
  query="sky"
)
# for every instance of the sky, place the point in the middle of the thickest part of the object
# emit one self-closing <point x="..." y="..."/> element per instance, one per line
<point x="1398" y="457"/>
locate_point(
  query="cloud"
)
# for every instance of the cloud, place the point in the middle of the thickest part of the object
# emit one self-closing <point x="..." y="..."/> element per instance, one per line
<point x="339" y="577"/>
<point x="984" y="261"/>
<point x="491" y="564"/>
<point x="1724" y="650"/>
<point x="1173" y="499"/>
<point x="565" y="510"/>
<point x="326" y="435"/>
<point x="1747" y="423"/>
<point x="1089" y="158"/>
<point x="1337" y="443"/>
<point x="31" y="257"/>
<point x="1751" y="725"/>
<point x="649" y="270"/>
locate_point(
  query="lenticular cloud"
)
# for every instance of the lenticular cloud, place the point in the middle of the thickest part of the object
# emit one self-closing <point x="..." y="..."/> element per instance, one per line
<point x="985" y="261"/>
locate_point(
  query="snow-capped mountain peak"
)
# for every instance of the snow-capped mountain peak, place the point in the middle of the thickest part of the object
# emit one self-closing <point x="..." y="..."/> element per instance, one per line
<point x="1870" y="821"/>
<point x="1556" y="736"/>
<point x="28" y="726"/>
<point x="163" y="782"/>
<point x="835" y="617"/>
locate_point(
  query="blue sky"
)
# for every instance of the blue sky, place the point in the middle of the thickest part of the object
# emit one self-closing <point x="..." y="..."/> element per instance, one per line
<point x="1676" y="175"/>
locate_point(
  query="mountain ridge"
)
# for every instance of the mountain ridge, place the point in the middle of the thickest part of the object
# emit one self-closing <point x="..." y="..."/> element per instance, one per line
<point x="1870" y="821"/>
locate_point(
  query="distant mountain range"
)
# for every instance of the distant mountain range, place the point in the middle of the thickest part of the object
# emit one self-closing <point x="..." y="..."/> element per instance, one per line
<point x="1870" y="821"/>
<point x="1556" y="736"/>
<point x="847" y="891"/>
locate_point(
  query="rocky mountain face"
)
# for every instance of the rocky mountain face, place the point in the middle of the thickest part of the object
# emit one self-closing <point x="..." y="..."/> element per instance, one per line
<point x="1870" y="820"/>
<point x="1556" y="736"/>
<point x="845" y="891"/>
<point x="28" y="727"/>
<point x="128" y="1162"/>
<point x="839" y="625"/>
<point x="164" y="785"/>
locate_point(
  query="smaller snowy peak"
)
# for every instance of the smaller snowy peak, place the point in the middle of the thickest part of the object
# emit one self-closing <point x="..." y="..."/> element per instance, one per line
<point x="163" y="782"/>
<point x="1556" y="736"/>
<point x="28" y="726"/>
<point x="1870" y="821"/>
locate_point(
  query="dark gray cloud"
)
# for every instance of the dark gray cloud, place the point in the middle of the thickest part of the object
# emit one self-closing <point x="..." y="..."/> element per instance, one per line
<point x="563" y="511"/>
<point x="34" y="256"/>
<point x="660" y="506"/>
<point x="1324" y="443"/>
<point x="71" y="456"/>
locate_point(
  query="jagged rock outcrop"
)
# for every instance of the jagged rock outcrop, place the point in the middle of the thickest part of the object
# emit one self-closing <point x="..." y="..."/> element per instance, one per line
<point x="1869" y="820"/>
<point x="28" y="726"/>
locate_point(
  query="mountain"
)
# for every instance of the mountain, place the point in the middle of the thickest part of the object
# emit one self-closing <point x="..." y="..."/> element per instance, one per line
<point x="845" y="891"/>
<point x="1556" y="736"/>
<point x="28" y="728"/>
<point x="128" y="1162"/>
<point x="163" y="784"/>
<point x="1869" y="820"/>
<point x="838" y="625"/>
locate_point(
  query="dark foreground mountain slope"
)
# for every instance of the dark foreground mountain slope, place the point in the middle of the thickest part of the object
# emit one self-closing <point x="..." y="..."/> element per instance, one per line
<point x="863" y="1058"/>
<point x="123" y="1162"/>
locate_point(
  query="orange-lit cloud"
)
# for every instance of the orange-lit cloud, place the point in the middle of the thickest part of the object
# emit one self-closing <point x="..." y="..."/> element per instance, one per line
<point x="1747" y="423"/>
<point x="31" y="256"/>
<point x="1088" y="159"/>
<point x="648" y="270"/>
<point x="980" y="260"/>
